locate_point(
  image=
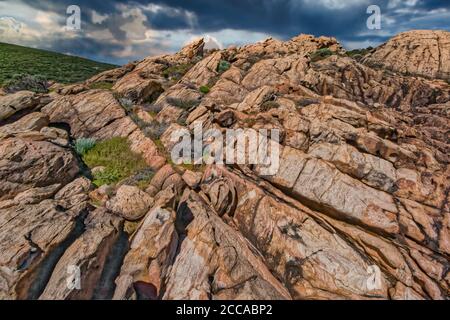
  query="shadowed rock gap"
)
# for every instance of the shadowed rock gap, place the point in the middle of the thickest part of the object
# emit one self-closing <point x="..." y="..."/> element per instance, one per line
<point x="106" y="285"/>
<point x="44" y="271"/>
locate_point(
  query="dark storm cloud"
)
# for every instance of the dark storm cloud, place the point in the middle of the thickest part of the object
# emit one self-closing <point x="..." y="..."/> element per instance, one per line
<point x="345" y="20"/>
<point x="283" y="17"/>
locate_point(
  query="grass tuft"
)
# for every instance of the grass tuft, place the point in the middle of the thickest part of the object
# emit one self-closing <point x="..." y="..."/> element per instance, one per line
<point x="101" y="85"/>
<point x="183" y="104"/>
<point x="117" y="158"/>
<point x="268" y="105"/>
<point x="223" y="66"/>
<point x="204" y="89"/>
<point x="176" y="72"/>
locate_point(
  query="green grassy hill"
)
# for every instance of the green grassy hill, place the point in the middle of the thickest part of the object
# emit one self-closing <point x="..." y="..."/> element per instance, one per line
<point x="53" y="66"/>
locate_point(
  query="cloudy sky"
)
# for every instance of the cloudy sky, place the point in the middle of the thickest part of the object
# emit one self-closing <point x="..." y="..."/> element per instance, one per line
<point x="119" y="31"/>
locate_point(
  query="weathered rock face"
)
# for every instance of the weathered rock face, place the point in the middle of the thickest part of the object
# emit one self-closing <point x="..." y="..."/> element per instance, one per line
<point x="422" y="52"/>
<point x="88" y="253"/>
<point x="19" y="102"/>
<point x="358" y="208"/>
<point x="28" y="163"/>
<point x="215" y="261"/>
<point x="313" y="261"/>
<point x="98" y="114"/>
<point x="130" y="202"/>
<point x="35" y="230"/>
<point x="86" y="113"/>
<point x="343" y="77"/>
<point x="151" y="252"/>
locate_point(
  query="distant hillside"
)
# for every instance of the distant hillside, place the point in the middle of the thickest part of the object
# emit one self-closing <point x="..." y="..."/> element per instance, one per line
<point x="54" y="66"/>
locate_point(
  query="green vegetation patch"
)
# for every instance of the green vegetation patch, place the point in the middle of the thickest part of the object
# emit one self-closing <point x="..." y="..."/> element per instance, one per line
<point x="19" y="82"/>
<point x="204" y="89"/>
<point x="269" y="105"/>
<point x="101" y="85"/>
<point x="15" y="60"/>
<point x="83" y="145"/>
<point x="223" y="66"/>
<point x="359" y="52"/>
<point x="183" y="103"/>
<point x="176" y="72"/>
<point x="117" y="158"/>
<point x="321" y="54"/>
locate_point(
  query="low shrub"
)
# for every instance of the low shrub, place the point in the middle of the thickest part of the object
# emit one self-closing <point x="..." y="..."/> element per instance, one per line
<point x="140" y="179"/>
<point x="251" y="61"/>
<point x="321" y="54"/>
<point x="268" y="105"/>
<point x="183" y="104"/>
<point x="144" y="178"/>
<point x="176" y="72"/>
<point x="83" y="145"/>
<point x="19" y="82"/>
<point x="126" y="103"/>
<point x="358" y="54"/>
<point x="154" y="130"/>
<point x="182" y="120"/>
<point x="153" y="109"/>
<point x="108" y="176"/>
<point x="223" y="66"/>
<point x="204" y="89"/>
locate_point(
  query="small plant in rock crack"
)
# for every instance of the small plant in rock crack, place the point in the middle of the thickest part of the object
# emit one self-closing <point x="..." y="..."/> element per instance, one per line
<point x="83" y="145"/>
<point x="182" y="103"/>
<point x="176" y="72"/>
<point x="204" y="89"/>
<point x="183" y="118"/>
<point x="138" y="121"/>
<point x="153" y="109"/>
<point x="154" y="130"/>
<point x="127" y="104"/>
<point x="101" y="85"/>
<point x="223" y="66"/>
<point x="141" y="179"/>
<point x="359" y="54"/>
<point x="321" y="54"/>
<point x="268" y="105"/>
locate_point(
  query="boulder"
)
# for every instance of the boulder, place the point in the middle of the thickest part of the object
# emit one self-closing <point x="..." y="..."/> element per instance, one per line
<point x="146" y="265"/>
<point x="221" y="266"/>
<point x="130" y="202"/>
<point x="27" y="163"/>
<point x="16" y="102"/>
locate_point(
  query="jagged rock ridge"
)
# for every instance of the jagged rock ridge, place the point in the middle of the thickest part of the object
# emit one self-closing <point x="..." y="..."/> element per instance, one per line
<point x="363" y="184"/>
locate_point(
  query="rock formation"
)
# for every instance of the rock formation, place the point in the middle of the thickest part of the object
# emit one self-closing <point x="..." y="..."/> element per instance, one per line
<point x="422" y="52"/>
<point x="359" y="208"/>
